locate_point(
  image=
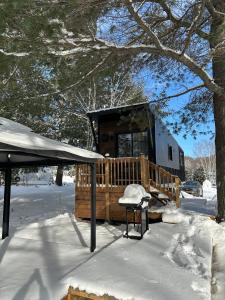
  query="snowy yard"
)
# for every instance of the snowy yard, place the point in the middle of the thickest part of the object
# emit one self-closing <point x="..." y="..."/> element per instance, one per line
<point x="48" y="250"/>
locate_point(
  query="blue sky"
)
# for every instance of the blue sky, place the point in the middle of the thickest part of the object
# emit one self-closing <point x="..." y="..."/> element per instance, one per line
<point x="188" y="144"/>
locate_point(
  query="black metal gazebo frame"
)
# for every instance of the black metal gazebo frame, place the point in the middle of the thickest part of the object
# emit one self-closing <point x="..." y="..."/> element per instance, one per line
<point x="43" y="161"/>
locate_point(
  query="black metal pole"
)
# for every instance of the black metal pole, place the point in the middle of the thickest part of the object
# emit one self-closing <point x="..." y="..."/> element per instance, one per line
<point x="93" y="207"/>
<point x="6" y="206"/>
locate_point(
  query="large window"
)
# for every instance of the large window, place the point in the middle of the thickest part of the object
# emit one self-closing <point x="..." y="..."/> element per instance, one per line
<point x="132" y="144"/>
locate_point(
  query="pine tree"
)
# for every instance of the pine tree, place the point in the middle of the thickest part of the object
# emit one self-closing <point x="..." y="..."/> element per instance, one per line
<point x="199" y="175"/>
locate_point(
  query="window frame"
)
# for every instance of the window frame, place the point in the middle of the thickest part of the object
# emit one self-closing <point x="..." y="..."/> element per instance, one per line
<point x="132" y="141"/>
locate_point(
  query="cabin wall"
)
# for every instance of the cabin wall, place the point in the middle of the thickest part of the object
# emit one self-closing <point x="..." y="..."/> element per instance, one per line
<point x="111" y="125"/>
<point x="164" y="139"/>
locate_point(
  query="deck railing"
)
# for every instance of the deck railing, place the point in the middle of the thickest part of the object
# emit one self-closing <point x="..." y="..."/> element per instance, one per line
<point x="116" y="173"/>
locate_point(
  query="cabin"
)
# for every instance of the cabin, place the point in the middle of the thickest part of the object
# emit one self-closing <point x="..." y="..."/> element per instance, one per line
<point x="138" y="148"/>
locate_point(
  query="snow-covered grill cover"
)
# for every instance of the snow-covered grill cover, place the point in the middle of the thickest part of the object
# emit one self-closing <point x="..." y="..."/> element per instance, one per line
<point x="24" y="145"/>
<point x="134" y="194"/>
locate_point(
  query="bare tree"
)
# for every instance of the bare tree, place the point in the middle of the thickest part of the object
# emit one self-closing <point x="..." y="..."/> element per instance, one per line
<point x="118" y="90"/>
<point x="205" y="154"/>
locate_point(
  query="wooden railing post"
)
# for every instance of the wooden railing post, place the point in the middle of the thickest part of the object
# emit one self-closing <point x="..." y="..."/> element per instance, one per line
<point x="107" y="202"/>
<point x="177" y="191"/>
<point x="144" y="171"/>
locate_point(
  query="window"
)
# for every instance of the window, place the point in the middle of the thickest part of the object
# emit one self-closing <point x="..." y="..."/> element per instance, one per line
<point x="125" y="145"/>
<point x="140" y="145"/>
<point x="181" y="156"/>
<point x="132" y="144"/>
<point x="170" y="152"/>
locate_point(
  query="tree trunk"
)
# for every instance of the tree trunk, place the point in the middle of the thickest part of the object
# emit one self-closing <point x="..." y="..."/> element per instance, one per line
<point x="218" y="63"/>
<point x="59" y="176"/>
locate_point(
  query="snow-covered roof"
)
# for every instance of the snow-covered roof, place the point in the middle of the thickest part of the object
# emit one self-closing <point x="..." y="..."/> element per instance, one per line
<point x="26" y="147"/>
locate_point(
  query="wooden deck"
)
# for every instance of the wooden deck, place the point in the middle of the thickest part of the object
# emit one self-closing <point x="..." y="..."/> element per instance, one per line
<point x="76" y="294"/>
<point x="113" y="175"/>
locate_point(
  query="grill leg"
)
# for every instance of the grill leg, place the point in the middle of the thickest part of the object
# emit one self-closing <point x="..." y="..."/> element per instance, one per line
<point x="126" y="223"/>
<point x="147" y="222"/>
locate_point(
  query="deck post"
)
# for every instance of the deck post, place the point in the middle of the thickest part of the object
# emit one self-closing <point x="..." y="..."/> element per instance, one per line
<point x="93" y="207"/>
<point x="6" y="205"/>
<point x="107" y="203"/>
<point x="177" y="191"/>
<point x="144" y="182"/>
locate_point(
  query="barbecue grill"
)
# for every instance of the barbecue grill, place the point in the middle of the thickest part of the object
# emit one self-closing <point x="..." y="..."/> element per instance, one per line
<point x="135" y="199"/>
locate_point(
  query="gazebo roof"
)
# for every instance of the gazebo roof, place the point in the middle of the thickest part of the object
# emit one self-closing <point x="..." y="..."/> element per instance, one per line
<point x="19" y="146"/>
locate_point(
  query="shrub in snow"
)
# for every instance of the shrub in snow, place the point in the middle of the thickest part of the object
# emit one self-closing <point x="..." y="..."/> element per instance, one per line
<point x="199" y="175"/>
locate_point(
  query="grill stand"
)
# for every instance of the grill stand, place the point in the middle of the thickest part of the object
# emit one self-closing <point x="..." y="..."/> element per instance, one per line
<point x="144" y="224"/>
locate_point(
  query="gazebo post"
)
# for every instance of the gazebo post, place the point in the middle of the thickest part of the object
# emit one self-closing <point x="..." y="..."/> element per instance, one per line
<point x="6" y="206"/>
<point x="93" y="207"/>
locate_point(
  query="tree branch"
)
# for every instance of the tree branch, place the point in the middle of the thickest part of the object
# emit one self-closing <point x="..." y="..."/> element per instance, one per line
<point x="142" y="23"/>
<point x="168" y="52"/>
<point x="84" y="77"/>
<point x="194" y="25"/>
<point x="16" y="54"/>
<point x="213" y="12"/>
<point x="5" y="82"/>
<point x="194" y="88"/>
<point x="102" y="45"/>
<point x="179" y="21"/>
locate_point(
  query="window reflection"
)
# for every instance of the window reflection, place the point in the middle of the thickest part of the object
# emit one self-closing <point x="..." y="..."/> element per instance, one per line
<point x="132" y="144"/>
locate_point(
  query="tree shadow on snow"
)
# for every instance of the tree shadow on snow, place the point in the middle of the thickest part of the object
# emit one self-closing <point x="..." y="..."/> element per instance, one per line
<point x="35" y="277"/>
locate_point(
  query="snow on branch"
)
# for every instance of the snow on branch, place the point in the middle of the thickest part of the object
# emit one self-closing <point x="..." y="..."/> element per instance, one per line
<point x="105" y="46"/>
<point x="17" y="54"/>
<point x="68" y="52"/>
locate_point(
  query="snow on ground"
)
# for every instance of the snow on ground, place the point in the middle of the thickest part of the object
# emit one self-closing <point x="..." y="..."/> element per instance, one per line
<point x="45" y="242"/>
<point x="166" y="264"/>
<point x="206" y="204"/>
<point x="48" y="250"/>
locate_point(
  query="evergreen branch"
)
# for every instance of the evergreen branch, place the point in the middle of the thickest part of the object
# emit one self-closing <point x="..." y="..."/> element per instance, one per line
<point x="142" y="23"/>
<point x="194" y="25"/>
<point x="170" y="53"/>
<point x="179" y="21"/>
<point x="213" y="12"/>
<point x="82" y="79"/>
<point x="16" y="54"/>
<point x="105" y="46"/>
<point x="194" y="88"/>
<point x="5" y="82"/>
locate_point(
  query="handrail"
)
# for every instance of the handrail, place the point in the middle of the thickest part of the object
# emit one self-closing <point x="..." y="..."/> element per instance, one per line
<point x="114" y="173"/>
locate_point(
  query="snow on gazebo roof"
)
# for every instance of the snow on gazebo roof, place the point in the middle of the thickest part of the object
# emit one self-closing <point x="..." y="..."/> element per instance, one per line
<point x="20" y="145"/>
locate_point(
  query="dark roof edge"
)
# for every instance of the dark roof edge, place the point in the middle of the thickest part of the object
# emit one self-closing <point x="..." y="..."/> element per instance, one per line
<point x="109" y="109"/>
